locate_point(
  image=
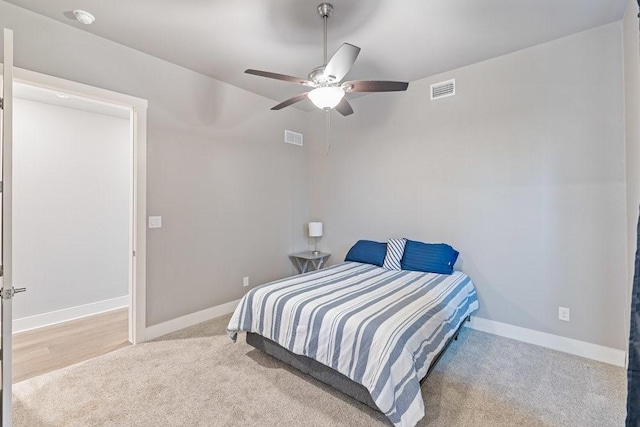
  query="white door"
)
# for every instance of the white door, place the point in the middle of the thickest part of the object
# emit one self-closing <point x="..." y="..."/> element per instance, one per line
<point x="7" y="291"/>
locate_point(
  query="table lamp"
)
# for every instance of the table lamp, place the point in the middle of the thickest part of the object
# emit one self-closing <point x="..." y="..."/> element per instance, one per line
<point x="315" y="231"/>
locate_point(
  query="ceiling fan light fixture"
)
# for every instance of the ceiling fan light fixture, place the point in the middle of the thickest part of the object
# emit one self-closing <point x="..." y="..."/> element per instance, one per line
<point x="326" y="97"/>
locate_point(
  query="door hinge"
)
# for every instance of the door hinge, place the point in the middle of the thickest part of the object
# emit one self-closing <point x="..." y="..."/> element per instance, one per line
<point x="1" y="103"/>
<point x="1" y="270"/>
<point x="134" y="253"/>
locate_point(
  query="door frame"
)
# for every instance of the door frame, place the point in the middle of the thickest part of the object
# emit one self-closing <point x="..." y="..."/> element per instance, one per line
<point x="138" y="190"/>
<point x="6" y="281"/>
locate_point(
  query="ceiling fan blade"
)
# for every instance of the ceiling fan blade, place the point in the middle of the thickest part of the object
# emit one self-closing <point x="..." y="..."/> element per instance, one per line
<point x="290" y="101"/>
<point x="374" y="86"/>
<point x="342" y="61"/>
<point x="344" y="107"/>
<point x="284" y="77"/>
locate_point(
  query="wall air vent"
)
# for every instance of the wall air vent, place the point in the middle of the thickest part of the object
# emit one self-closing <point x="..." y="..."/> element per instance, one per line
<point x="443" y="89"/>
<point x="291" y="137"/>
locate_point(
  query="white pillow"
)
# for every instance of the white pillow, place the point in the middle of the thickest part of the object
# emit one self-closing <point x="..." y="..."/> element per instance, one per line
<point x="395" y="249"/>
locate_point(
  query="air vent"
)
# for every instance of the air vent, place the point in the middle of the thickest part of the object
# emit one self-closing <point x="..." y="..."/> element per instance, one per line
<point x="443" y="89"/>
<point x="291" y="137"/>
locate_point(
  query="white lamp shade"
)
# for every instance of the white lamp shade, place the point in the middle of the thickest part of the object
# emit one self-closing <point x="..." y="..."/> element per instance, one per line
<point x="326" y="97"/>
<point x="315" y="229"/>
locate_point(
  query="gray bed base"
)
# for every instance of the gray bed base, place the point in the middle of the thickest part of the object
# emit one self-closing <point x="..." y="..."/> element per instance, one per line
<point x="328" y="375"/>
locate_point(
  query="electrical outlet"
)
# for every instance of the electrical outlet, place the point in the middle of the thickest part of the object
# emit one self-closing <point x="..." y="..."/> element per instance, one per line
<point x="245" y="281"/>
<point x="564" y="314"/>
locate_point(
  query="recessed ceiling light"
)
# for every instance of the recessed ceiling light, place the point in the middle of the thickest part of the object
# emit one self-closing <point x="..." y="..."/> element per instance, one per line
<point x="62" y="96"/>
<point x="84" y="17"/>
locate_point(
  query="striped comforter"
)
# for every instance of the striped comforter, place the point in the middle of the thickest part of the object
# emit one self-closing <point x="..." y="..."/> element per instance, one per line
<point x="381" y="328"/>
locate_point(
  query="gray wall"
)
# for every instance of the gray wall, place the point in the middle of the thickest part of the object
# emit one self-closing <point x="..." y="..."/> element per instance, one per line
<point x="523" y="171"/>
<point x="632" y="132"/>
<point x="232" y="195"/>
<point x="71" y="207"/>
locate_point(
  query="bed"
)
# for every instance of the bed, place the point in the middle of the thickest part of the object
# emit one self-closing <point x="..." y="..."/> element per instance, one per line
<point x="368" y="331"/>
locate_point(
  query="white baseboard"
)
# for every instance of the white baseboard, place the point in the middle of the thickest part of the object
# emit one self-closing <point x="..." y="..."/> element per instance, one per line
<point x="597" y="352"/>
<point x="173" y="325"/>
<point x="66" y="314"/>
<point x="567" y="345"/>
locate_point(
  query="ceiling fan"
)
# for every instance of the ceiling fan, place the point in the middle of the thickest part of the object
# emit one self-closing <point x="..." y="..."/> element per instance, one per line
<point x="326" y="80"/>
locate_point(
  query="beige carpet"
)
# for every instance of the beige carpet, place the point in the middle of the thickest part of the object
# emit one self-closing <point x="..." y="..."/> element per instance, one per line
<point x="198" y="377"/>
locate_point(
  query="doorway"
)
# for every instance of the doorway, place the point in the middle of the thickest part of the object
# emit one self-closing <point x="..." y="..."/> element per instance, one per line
<point x="136" y="109"/>
<point x="72" y="182"/>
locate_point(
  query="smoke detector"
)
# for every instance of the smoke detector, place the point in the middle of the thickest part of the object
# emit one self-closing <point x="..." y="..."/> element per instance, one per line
<point x="85" y="17"/>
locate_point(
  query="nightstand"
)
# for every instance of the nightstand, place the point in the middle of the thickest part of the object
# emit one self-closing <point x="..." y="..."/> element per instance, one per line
<point x="305" y="260"/>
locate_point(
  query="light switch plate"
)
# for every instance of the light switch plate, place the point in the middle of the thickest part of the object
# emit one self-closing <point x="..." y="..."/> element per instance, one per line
<point x="155" y="222"/>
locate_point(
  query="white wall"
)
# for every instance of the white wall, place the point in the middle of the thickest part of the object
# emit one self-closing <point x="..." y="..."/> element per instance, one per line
<point x="72" y="179"/>
<point x="232" y="195"/>
<point x="523" y="171"/>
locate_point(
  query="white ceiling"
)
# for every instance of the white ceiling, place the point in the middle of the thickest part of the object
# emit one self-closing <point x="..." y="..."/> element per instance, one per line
<point x="401" y="40"/>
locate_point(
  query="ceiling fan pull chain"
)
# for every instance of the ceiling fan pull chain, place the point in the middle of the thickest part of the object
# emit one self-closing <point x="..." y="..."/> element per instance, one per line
<point x="327" y="130"/>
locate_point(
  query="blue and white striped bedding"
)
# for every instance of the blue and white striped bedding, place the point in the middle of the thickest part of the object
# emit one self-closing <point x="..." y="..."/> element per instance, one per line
<point x="381" y="328"/>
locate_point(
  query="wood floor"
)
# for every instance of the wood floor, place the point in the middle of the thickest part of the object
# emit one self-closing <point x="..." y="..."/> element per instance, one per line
<point x="53" y="347"/>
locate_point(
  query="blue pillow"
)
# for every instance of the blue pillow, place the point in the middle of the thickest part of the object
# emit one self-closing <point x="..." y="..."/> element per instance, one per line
<point x="429" y="257"/>
<point x="368" y="252"/>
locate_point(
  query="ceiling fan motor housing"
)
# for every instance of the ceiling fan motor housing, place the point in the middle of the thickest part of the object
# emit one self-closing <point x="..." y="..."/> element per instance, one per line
<point x="317" y="75"/>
